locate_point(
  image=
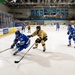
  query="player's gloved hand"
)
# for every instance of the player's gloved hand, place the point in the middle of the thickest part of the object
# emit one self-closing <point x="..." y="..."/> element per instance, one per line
<point x="17" y="44"/>
<point x="29" y="36"/>
<point x="12" y="46"/>
<point x="67" y="33"/>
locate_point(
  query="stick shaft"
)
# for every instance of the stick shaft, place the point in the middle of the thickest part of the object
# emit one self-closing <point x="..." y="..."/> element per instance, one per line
<point x="26" y="52"/>
<point x="4" y="50"/>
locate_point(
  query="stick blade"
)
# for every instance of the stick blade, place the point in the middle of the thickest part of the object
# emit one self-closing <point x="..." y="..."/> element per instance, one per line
<point x="16" y="61"/>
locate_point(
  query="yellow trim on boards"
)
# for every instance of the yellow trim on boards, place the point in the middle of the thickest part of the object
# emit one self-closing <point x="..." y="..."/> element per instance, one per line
<point x="5" y="34"/>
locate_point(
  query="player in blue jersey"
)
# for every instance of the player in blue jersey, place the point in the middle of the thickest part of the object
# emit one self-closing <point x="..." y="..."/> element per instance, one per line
<point x="23" y="27"/>
<point x="71" y="33"/>
<point x="24" y="42"/>
<point x="74" y="37"/>
<point x="57" y="26"/>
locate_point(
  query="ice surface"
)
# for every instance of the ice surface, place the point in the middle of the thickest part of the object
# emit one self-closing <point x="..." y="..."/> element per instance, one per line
<point x="57" y="60"/>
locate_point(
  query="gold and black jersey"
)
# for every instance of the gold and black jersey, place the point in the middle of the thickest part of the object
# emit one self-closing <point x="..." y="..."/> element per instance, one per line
<point x="40" y="34"/>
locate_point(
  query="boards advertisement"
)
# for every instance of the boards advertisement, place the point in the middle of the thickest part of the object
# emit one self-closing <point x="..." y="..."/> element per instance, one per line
<point x="5" y="31"/>
<point x="1" y="31"/>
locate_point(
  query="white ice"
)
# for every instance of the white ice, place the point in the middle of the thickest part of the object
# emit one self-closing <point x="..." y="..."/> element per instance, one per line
<point x="57" y="60"/>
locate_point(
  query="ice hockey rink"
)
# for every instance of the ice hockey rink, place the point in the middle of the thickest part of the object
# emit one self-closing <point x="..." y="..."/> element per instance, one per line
<point x="57" y="60"/>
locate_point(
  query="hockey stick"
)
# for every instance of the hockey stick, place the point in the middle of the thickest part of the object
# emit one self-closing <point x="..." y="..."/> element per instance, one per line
<point x="24" y="54"/>
<point x="4" y="50"/>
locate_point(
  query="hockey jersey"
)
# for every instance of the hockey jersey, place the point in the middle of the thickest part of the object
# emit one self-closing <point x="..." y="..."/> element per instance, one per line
<point x="23" y="39"/>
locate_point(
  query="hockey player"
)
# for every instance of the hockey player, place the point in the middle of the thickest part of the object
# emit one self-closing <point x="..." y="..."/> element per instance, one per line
<point x="23" y="27"/>
<point x="57" y="26"/>
<point x="29" y="28"/>
<point x="42" y="37"/>
<point x="74" y="37"/>
<point x="24" y="42"/>
<point x="71" y="33"/>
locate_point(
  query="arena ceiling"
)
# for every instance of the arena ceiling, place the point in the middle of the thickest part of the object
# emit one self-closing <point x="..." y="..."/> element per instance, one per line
<point x="40" y="3"/>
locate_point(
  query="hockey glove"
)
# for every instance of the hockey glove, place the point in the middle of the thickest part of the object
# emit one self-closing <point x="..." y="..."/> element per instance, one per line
<point x="17" y="44"/>
<point x="67" y="33"/>
<point x="12" y="46"/>
<point x="29" y="36"/>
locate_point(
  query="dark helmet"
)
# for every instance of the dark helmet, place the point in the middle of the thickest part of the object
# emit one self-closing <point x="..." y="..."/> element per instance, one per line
<point x="17" y="32"/>
<point x="70" y="25"/>
<point x="38" y="27"/>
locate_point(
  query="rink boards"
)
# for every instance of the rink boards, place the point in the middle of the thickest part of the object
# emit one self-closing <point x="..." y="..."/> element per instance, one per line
<point x="6" y="31"/>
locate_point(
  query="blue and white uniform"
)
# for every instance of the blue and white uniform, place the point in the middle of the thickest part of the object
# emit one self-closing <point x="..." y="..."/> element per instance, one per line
<point x="74" y="35"/>
<point x="71" y="33"/>
<point x="23" y="27"/>
<point x="23" y="40"/>
<point x="57" y="26"/>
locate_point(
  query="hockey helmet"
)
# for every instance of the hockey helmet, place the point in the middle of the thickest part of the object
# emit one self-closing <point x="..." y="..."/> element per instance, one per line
<point x="70" y="25"/>
<point x="17" y="33"/>
<point x="38" y="27"/>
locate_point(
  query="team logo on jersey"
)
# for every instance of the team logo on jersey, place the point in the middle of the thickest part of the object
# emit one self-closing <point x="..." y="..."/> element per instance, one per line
<point x="21" y="39"/>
